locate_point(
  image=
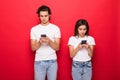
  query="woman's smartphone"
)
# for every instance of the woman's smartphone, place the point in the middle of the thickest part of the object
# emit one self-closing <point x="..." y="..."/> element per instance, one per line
<point x="83" y="41"/>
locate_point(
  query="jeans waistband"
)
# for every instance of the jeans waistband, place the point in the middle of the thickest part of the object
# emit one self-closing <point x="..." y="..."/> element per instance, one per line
<point x="47" y="60"/>
<point x="82" y="61"/>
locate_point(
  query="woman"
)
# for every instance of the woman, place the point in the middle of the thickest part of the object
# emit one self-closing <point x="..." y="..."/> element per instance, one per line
<point x="81" y="47"/>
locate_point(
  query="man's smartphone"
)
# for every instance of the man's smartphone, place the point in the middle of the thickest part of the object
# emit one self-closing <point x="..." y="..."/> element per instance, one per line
<point x="43" y="35"/>
<point x="83" y="41"/>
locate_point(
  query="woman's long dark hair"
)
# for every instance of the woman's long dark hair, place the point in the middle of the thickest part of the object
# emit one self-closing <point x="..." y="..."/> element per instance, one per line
<point x="79" y="23"/>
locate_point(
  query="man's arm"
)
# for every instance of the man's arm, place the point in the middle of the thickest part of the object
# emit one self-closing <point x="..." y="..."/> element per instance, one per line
<point x="35" y="45"/>
<point x="54" y="44"/>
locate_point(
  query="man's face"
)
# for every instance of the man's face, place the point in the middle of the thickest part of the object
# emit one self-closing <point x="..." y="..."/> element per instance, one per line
<point x="44" y="17"/>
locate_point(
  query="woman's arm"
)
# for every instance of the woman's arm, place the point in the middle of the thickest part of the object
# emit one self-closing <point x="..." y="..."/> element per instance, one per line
<point x="73" y="51"/>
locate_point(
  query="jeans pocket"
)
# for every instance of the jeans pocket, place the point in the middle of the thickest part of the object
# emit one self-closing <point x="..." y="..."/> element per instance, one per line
<point x="88" y="64"/>
<point x="75" y="64"/>
<point x="53" y="61"/>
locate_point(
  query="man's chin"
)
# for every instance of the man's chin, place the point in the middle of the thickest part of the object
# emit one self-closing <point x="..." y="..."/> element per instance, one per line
<point x="44" y="23"/>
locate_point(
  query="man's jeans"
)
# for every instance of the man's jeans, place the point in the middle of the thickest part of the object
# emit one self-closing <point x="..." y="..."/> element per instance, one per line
<point x="43" y="68"/>
<point x="81" y="70"/>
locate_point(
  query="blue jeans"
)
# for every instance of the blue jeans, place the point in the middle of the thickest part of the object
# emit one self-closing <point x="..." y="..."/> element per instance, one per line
<point x="81" y="70"/>
<point x="45" y="68"/>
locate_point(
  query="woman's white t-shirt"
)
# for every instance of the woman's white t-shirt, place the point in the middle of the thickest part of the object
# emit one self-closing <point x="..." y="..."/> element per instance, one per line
<point x="82" y="55"/>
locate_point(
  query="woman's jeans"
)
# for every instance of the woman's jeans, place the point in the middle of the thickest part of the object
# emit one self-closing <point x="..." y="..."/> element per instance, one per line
<point x="45" y="68"/>
<point x="81" y="70"/>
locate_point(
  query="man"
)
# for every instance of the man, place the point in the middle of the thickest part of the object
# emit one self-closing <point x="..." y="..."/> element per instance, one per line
<point x="45" y="40"/>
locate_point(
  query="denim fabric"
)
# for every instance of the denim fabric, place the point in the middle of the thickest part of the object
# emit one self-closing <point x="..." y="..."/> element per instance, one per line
<point x="81" y="70"/>
<point x="43" y="68"/>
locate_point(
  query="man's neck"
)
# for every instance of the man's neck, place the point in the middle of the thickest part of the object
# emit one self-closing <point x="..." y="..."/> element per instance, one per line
<point x="45" y="24"/>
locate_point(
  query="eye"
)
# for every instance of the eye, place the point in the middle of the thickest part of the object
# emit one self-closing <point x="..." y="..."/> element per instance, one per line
<point x="84" y="29"/>
<point x="46" y="15"/>
<point x="79" y="28"/>
<point x="41" y="15"/>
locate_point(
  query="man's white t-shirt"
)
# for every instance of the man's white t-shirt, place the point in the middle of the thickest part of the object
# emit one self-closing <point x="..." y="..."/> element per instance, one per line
<point x="82" y="55"/>
<point x="45" y="52"/>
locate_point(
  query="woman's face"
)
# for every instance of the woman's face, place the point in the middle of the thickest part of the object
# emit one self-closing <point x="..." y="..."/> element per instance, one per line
<point x="82" y="30"/>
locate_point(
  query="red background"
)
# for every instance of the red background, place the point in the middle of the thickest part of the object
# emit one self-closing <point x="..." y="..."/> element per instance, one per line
<point x="17" y="17"/>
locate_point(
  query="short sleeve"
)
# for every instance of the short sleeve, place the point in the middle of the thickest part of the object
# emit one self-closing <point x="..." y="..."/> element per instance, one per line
<point x="91" y="41"/>
<point x="58" y="33"/>
<point x="32" y="34"/>
<point x="70" y="41"/>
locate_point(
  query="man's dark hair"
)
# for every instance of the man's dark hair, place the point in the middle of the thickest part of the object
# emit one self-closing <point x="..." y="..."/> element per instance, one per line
<point x="43" y="8"/>
<point x="79" y="23"/>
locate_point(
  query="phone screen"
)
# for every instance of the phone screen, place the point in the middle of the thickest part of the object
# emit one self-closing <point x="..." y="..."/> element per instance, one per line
<point x="43" y="35"/>
<point x="83" y="41"/>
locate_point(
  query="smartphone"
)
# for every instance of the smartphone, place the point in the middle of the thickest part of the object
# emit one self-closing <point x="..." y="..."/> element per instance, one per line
<point x="83" y="41"/>
<point x="43" y="35"/>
